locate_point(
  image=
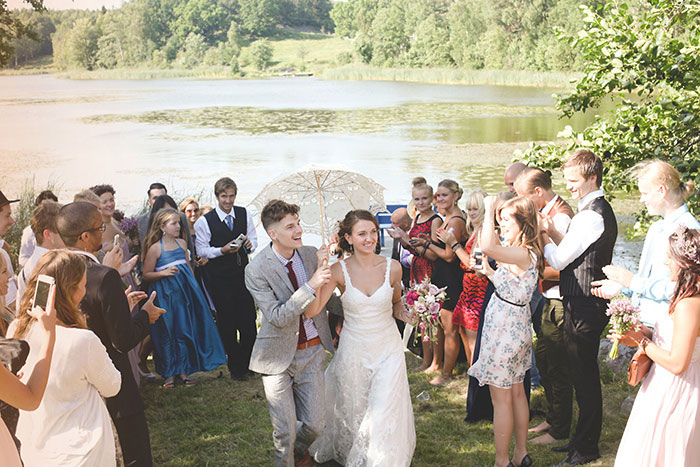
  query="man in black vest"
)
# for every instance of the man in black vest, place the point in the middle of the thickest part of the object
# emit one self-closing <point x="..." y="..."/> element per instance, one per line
<point x="108" y="315"/>
<point x="580" y="256"/>
<point x="217" y="233"/>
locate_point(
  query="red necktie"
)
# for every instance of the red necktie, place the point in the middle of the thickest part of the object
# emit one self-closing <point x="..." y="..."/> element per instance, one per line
<point x="295" y="284"/>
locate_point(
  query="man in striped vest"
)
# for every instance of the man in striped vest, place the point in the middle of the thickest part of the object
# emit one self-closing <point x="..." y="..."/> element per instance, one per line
<point x="580" y="256"/>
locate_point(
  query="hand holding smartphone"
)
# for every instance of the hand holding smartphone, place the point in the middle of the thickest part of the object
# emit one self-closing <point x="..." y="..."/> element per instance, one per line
<point x="44" y="284"/>
<point x="479" y="259"/>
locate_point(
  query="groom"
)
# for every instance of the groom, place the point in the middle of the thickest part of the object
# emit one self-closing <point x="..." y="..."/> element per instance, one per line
<point x="283" y="279"/>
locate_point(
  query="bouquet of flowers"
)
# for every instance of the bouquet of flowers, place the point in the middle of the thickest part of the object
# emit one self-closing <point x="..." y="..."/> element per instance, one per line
<point x="129" y="225"/>
<point x="623" y="317"/>
<point x="425" y="300"/>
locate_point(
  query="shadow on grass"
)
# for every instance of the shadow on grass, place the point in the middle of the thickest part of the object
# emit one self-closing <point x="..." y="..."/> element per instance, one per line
<point x="220" y="422"/>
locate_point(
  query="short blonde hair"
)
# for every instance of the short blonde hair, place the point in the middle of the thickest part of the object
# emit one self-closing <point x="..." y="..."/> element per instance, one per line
<point x="186" y="202"/>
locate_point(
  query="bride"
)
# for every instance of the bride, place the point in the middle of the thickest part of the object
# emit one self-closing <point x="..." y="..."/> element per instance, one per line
<point x="369" y="418"/>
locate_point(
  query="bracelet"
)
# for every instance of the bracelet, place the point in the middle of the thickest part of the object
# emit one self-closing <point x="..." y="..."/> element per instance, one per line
<point x="427" y="245"/>
<point x="456" y="246"/>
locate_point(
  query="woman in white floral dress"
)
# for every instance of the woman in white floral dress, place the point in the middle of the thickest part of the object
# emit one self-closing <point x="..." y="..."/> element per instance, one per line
<point x="507" y="336"/>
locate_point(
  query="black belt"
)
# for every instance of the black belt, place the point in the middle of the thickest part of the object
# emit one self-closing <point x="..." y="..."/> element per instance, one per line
<point x="508" y="301"/>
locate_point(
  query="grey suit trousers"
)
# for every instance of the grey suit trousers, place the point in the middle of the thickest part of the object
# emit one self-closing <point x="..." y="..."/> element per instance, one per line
<point x="296" y="399"/>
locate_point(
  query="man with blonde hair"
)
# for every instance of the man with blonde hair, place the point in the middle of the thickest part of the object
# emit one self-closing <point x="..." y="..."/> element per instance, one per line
<point x="580" y="255"/>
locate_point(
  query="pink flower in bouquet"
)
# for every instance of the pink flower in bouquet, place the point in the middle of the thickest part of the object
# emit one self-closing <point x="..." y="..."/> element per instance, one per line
<point x="434" y="307"/>
<point x="623" y="317"/>
<point x="419" y="308"/>
<point x="421" y="326"/>
<point x="433" y="289"/>
<point x="411" y="297"/>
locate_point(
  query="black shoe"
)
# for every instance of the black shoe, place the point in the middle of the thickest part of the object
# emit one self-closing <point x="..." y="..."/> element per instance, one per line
<point x="576" y="458"/>
<point x="565" y="448"/>
<point x="526" y="462"/>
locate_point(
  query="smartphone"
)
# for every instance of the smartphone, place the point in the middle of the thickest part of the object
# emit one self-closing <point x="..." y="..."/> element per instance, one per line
<point x="44" y="284"/>
<point x="479" y="258"/>
<point x="116" y="241"/>
<point x="240" y="240"/>
<point x="412" y="240"/>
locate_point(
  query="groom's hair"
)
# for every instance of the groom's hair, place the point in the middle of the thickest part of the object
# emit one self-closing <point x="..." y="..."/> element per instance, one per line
<point x="275" y="210"/>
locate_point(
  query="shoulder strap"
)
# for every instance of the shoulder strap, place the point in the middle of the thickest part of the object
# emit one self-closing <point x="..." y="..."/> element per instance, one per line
<point x="388" y="270"/>
<point x="348" y="282"/>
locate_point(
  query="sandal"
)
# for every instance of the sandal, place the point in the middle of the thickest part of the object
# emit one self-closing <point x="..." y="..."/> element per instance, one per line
<point x="169" y="384"/>
<point x="188" y="382"/>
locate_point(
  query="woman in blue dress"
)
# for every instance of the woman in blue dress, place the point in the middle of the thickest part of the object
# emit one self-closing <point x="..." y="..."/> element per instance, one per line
<point x="185" y="339"/>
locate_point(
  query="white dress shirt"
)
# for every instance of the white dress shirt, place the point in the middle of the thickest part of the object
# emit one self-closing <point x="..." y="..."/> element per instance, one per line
<point x="302" y="279"/>
<point x="561" y="224"/>
<point x="585" y="228"/>
<point x="26" y="246"/>
<point x="26" y="272"/>
<point x="203" y="234"/>
<point x="12" y="283"/>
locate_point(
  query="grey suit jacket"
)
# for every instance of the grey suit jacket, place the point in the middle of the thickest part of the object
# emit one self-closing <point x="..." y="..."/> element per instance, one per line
<point x="280" y="305"/>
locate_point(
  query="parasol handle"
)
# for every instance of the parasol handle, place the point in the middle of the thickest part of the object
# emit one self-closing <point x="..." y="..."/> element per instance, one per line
<point x="320" y="208"/>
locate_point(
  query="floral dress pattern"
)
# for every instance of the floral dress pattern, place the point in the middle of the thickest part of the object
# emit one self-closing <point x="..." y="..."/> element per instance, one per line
<point x="421" y="267"/>
<point x="506" y="346"/>
<point x="471" y="300"/>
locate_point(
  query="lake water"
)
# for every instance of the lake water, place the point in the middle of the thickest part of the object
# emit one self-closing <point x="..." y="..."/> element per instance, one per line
<point x="188" y="133"/>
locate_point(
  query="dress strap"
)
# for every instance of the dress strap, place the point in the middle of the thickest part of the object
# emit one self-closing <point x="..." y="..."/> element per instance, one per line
<point x="348" y="282"/>
<point x="388" y="270"/>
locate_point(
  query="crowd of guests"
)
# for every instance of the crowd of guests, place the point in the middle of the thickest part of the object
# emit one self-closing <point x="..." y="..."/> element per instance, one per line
<point x="518" y="263"/>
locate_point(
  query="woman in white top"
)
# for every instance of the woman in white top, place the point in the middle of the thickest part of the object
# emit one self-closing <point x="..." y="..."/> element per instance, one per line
<point x="71" y="426"/>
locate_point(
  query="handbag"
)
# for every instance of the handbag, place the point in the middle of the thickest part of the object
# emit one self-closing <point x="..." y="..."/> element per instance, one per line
<point x="639" y="367"/>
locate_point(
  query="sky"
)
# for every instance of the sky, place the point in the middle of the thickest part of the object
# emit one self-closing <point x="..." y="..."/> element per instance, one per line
<point x="69" y="4"/>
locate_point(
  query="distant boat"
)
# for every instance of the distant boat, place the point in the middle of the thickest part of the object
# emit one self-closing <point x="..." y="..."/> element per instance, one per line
<point x="295" y="75"/>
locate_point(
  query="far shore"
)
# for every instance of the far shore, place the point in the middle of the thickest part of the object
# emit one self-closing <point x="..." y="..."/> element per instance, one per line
<point x="353" y="72"/>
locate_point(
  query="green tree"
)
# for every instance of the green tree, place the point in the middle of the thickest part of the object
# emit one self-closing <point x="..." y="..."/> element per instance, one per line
<point x="649" y="60"/>
<point x="259" y="17"/>
<point x="431" y="43"/>
<point x="83" y="43"/>
<point x="193" y="51"/>
<point x="261" y="54"/>
<point x="388" y="34"/>
<point x="343" y="16"/>
<point x="12" y="27"/>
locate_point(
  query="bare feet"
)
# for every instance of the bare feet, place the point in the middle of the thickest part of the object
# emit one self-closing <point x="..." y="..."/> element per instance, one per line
<point x="423" y="367"/>
<point x="440" y="379"/>
<point x="544" y="439"/>
<point x="544" y="426"/>
<point x="432" y="369"/>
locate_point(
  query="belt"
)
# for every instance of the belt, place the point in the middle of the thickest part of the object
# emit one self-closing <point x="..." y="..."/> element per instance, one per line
<point x="309" y="343"/>
<point x="508" y="301"/>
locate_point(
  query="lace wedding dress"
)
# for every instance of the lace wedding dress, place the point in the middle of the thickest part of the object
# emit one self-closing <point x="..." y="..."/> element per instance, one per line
<point x="369" y="419"/>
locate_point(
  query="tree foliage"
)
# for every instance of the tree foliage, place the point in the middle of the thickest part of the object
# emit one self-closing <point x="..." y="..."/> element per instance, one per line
<point x="261" y="53"/>
<point x="12" y="27"/>
<point x="646" y="58"/>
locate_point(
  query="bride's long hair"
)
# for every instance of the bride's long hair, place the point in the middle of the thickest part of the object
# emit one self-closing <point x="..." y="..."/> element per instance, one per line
<point x="345" y="227"/>
<point x="684" y="250"/>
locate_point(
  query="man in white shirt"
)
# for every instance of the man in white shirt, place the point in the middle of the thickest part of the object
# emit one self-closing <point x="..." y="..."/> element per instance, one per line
<point x="6" y="222"/>
<point x="226" y="236"/>
<point x="43" y="225"/>
<point x="580" y="256"/>
<point x="28" y="242"/>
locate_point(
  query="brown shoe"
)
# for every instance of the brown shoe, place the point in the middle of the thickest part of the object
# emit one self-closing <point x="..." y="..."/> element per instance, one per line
<point x="303" y="459"/>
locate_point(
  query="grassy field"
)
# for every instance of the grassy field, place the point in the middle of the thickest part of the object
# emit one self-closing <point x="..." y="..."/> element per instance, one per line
<point x="222" y="422"/>
<point x="452" y="76"/>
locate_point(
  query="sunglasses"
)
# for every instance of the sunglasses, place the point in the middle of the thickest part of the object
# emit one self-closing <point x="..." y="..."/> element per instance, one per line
<point x="192" y="210"/>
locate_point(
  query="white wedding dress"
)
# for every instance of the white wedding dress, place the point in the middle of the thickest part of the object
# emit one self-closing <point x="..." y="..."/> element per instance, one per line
<point x="369" y="419"/>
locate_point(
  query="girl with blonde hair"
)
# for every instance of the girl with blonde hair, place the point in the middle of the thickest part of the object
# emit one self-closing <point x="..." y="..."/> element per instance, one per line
<point x="446" y="271"/>
<point x="185" y="338"/>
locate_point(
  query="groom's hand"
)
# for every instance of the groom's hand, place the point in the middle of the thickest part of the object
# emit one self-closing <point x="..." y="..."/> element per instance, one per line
<point x="322" y="256"/>
<point x="320" y="277"/>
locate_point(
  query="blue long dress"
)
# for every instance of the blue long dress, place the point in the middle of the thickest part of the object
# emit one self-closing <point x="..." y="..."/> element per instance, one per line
<point x="185" y="338"/>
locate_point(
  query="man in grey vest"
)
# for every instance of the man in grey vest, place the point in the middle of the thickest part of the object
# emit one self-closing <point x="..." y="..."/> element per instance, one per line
<point x="283" y="279"/>
<point x="580" y="256"/>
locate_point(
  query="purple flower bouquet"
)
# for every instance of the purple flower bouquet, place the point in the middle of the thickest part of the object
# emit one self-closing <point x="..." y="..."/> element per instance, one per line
<point x="623" y="317"/>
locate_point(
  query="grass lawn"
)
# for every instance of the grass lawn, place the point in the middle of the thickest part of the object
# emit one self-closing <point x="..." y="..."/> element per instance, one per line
<point x="225" y="422"/>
